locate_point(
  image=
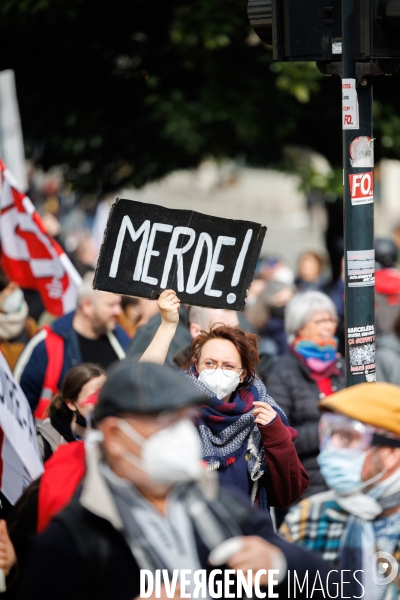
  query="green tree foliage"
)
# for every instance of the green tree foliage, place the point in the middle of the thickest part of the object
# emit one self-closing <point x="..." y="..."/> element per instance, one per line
<point x="124" y="92"/>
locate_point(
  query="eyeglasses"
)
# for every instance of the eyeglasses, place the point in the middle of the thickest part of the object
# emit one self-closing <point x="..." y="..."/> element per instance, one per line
<point x="227" y="368"/>
<point x="329" y="320"/>
<point x="338" y="431"/>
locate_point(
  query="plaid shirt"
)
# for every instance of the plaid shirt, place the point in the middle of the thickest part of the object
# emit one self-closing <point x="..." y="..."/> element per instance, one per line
<point x="317" y="523"/>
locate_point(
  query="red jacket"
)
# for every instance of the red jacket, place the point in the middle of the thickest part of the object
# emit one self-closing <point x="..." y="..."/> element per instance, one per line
<point x="62" y="474"/>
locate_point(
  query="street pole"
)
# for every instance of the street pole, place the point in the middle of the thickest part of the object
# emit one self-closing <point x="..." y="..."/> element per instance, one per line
<point x="359" y="255"/>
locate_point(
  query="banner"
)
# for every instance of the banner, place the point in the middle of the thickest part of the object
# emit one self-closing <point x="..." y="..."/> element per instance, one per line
<point x="20" y="461"/>
<point x="11" y="138"/>
<point x="207" y="260"/>
<point x="31" y="257"/>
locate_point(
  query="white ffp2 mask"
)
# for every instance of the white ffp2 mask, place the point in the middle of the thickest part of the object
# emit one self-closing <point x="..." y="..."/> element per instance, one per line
<point x="219" y="383"/>
<point x="172" y="455"/>
<point x="13" y="302"/>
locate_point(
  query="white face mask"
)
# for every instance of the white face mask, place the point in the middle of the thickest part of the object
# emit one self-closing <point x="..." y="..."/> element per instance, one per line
<point x="172" y="455"/>
<point x="13" y="302"/>
<point x="219" y="382"/>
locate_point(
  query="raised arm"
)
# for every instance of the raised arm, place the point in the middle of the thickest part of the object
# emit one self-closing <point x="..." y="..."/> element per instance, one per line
<point x="169" y="306"/>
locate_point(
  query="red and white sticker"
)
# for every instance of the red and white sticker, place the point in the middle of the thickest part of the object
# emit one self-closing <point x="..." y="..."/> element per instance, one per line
<point x="361" y="188"/>
<point x="350" y="115"/>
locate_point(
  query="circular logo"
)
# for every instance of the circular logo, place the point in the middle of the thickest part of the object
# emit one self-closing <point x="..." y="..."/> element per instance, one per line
<point x="384" y="568"/>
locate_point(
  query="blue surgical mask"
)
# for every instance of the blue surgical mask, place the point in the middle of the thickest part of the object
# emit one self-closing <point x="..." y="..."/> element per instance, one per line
<point x="341" y="468"/>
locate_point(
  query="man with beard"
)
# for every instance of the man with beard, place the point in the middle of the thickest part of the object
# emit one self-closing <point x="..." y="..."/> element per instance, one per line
<point x="89" y="334"/>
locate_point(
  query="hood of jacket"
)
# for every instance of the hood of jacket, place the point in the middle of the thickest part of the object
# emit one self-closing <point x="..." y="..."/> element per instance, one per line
<point x="63" y="325"/>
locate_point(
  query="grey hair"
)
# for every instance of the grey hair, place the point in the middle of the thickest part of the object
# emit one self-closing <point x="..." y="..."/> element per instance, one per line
<point x="200" y="315"/>
<point x="205" y="317"/>
<point x="85" y="290"/>
<point x="302" y="307"/>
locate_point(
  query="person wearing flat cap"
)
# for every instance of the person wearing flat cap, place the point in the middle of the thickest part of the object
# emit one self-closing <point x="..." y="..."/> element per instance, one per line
<point x="147" y="502"/>
<point x="356" y="525"/>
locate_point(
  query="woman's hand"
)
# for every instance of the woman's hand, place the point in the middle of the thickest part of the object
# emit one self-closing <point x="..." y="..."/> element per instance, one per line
<point x="169" y="306"/>
<point x="264" y="413"/>
<point x="7" y="553"/>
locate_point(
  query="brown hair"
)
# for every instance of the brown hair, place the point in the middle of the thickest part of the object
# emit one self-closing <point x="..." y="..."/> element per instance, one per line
<point x="4" y="280"/>
<point x="245" y="343"/>
<point x="73" y="382"/>
<point x="318" y="257"/>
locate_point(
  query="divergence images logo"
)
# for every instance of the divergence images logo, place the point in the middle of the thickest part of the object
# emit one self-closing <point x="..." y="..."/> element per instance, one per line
<point x="384" y="568"/>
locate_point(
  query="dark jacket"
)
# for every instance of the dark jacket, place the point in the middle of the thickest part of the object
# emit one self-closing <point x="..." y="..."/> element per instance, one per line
<point x="71" y="573"/>
<point x="31" y="368"/>
<point x="291" y="386"/>
<point x="40" y="501"/>
<point x="146" y="333"/>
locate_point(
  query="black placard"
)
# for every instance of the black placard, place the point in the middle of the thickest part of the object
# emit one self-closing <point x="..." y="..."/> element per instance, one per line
<point x="207" y="260"/>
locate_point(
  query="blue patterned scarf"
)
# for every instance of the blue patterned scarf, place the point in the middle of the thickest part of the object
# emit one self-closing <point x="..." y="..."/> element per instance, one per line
<point x="227" y="429"/>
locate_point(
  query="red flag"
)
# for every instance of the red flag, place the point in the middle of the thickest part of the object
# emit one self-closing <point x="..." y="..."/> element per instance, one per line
<point x="30" y="256"/>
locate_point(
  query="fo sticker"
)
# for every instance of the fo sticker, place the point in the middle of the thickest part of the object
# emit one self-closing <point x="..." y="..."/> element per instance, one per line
<point x="350" y="114"/>
<point x="361" y="188"/>
<point x="362" y="152"/>
<point x="361" y="342"/>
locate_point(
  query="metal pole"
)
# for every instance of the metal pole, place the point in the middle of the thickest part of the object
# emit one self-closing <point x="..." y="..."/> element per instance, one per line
<point x="359" y="253"/>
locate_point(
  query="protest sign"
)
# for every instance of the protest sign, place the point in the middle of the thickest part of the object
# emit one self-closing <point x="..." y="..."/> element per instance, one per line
<point x="208" y="261"/>
<point x="20" y="461"/>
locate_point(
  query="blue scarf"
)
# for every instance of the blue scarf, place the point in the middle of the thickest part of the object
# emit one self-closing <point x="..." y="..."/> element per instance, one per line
<point x="227" y="429"/>
<point x="324" y="351"/>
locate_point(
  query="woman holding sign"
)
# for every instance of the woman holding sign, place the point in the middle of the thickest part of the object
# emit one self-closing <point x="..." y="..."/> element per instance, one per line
<point x="244" y="433"/>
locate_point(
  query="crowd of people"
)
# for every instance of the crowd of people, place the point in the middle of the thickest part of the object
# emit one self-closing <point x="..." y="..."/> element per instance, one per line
<point x="182" y="438"/>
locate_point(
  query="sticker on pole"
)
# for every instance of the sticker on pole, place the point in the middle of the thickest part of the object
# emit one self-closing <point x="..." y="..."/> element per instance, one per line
<point x="361" y="342"/>
<point x="362" y="152"/>
<point x="361" y="188"/>
<point x="336" y="47"/>
<point x="360" y="268"/>
<point x="350" y="119"/>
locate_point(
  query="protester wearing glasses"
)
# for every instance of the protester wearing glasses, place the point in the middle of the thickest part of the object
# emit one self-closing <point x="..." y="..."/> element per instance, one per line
<point x="311" y="370"/>
<point x="244" y="433"/>
<point x="360" y="515"/>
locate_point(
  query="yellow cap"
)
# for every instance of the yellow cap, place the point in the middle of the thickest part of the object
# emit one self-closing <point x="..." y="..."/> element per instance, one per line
<point x="376" y="404"/>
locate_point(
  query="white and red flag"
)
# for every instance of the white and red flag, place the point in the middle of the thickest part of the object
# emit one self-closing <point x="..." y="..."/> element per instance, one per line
<point x="29" y="255"/>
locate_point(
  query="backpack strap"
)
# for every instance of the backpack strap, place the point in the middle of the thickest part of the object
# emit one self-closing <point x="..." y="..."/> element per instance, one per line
<point x="55" y="360"/>
<point x="49" y="437"/>
<point x="45" y="449"/>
